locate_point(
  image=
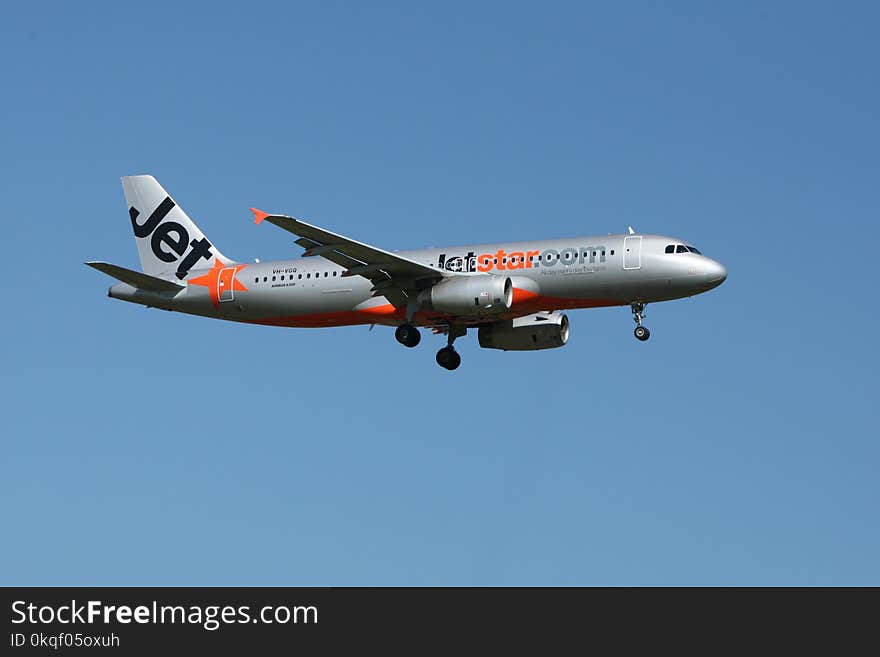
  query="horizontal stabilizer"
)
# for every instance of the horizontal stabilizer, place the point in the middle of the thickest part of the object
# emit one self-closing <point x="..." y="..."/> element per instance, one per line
<point x="136" y="278"/>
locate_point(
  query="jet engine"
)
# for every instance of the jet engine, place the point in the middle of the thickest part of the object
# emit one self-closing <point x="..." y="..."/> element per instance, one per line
<point x="546" y="330"/>
<point x="469" y="295"/>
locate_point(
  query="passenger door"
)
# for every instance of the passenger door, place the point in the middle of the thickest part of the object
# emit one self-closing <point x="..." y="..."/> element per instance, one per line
<point x="632" y="252"/>
<point x="225" y="284"/>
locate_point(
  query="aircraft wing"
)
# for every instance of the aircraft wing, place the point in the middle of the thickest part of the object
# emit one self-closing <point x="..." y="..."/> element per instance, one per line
<point x="393" y="276"/>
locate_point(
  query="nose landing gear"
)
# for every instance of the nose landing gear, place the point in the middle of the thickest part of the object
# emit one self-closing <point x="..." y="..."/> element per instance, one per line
<point x="638" y="309"/>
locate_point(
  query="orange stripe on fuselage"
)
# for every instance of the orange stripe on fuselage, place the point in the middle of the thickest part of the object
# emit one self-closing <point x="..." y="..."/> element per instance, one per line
<point x="521" y="296"/>
<point x="525" y="302"/>
<point x="322" y="320"/>
<point x="380" y="311"/>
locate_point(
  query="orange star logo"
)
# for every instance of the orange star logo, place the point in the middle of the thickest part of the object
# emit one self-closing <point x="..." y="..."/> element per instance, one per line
<point x="221" y="282"/>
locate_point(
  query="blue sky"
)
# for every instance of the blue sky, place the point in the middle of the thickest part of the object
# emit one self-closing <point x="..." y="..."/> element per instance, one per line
<point x="738" y="446"/>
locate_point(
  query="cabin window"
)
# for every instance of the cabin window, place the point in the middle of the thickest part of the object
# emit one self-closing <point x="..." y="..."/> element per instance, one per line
<point x="265" y="278"/>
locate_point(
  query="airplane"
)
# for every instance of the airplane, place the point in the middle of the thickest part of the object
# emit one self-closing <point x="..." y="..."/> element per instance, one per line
<point x="511" y="293"/>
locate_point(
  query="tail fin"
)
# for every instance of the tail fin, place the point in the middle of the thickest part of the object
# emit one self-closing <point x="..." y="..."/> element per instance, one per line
<point x="169" y="243"/>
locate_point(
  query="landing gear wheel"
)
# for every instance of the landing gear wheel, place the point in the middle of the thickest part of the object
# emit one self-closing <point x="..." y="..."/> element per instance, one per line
<point x="638" y="311"/>
<point x="408" y="335"/>
<point x="448" y="358"/>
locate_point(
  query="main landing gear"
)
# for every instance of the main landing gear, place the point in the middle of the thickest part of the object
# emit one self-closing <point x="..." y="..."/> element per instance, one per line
<point x="638" y="309"/>
<point x="448" y="357"/>
<point x="408" y="335"/>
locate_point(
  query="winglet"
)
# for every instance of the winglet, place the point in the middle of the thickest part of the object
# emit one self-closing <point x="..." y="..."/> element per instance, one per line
<point x="259" y="215"/>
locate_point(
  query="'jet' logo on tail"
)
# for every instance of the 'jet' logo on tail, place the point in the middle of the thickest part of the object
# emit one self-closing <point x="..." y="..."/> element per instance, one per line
<point x="172" y="235"/>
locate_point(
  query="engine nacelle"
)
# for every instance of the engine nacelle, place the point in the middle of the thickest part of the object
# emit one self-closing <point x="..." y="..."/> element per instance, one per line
<point x="469" y="295"/>
<point x="530" y="333"/>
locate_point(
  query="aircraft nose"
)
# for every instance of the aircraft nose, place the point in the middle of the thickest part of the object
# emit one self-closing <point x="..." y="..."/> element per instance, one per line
<point x="716" y="273"/>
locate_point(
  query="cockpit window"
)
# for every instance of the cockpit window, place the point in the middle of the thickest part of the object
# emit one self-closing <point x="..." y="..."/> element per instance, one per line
<point x="681" y="248"/>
